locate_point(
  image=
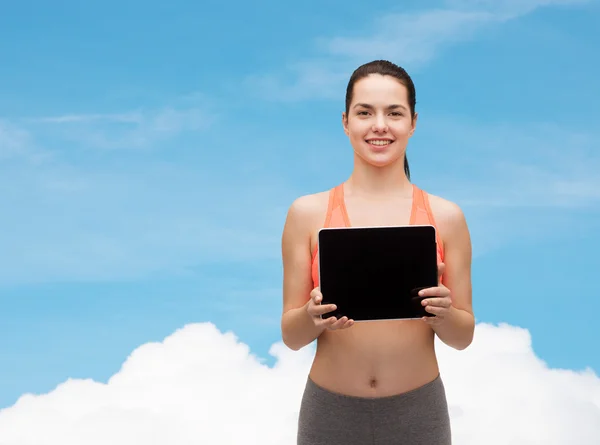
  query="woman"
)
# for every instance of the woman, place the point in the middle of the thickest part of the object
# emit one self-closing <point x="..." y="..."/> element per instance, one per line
<point x="376" y="382"/>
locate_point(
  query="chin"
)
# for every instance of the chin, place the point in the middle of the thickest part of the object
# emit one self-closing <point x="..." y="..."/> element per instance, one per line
<point x="380" y="159"/>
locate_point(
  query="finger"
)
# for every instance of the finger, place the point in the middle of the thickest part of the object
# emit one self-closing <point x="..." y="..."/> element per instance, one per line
<point x="436" y="310"/>
<point x="339" y="323"/>
<point x="316" y="292"/>
<point x="317" y="299"/>
<point x="440" y="302"/>
<point x="321" y="309"/>
<point x="441" y="269"/>
<point x="327" y="322"/>
<point x="438" y="291"/>
<point x="348" y="324"/>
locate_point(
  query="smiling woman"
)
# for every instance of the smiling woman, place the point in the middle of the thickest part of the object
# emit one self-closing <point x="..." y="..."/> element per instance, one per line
<point x="376" y="382"/>
<point x="401" y="114"/>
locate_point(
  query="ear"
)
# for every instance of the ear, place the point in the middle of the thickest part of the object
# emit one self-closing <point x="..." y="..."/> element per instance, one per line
<point x="414" y="123"/>
<point x="345" y="123"/>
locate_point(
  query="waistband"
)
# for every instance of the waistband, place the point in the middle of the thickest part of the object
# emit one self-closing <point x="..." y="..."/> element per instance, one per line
<point x="434" y="388"/>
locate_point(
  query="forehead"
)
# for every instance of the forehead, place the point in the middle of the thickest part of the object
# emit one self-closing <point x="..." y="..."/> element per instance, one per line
<point x="376" y="88"/>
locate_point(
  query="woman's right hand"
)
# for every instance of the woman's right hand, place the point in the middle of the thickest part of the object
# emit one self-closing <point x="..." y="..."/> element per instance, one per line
<point x="315" y="309"/>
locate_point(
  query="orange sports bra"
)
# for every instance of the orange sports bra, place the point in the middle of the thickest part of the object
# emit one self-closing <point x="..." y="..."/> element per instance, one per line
<point x="337" y="216"/>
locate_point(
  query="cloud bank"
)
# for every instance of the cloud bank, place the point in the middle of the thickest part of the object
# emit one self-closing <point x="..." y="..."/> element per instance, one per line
<point x="203" y="386"/>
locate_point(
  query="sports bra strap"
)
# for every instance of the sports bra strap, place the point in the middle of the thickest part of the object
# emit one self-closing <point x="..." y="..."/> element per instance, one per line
<point x="431" y="218"/>
<point x="330" y="206"/>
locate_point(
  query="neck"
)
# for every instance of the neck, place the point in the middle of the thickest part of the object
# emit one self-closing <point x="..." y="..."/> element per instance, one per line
<point x="372" y="181"/>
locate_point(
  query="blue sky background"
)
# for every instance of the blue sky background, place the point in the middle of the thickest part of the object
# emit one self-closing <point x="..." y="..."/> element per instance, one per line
<point x="149" y="152"/>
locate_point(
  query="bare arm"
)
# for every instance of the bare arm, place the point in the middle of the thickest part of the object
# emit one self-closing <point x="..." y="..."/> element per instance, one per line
<point x="458" y="327"/>
<point x="297" y="326"/>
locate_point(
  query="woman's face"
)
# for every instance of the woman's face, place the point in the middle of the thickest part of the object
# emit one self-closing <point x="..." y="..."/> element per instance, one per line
<point x="379" y="122"/>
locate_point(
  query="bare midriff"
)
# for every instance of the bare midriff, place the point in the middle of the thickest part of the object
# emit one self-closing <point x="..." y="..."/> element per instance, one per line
<point x="376" y="358"/>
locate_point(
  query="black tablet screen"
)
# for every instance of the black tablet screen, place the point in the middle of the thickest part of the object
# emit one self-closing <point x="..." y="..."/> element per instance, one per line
<point x="375" y="273"/>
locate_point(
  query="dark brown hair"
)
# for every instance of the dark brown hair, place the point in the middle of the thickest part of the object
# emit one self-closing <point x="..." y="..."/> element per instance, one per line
<point x="384" y="68"/>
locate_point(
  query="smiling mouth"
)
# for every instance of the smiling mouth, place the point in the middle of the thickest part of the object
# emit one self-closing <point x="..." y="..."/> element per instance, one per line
<point x="379" y="142"/>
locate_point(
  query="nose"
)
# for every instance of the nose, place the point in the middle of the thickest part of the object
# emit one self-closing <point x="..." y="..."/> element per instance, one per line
<point x="380" y="124"/>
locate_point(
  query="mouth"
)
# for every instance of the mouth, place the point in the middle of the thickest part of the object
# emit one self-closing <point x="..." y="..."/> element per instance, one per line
<point x="379" y="142"/>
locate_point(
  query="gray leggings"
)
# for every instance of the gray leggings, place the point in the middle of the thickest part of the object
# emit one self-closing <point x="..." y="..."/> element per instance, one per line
<point x="417" y="417"/>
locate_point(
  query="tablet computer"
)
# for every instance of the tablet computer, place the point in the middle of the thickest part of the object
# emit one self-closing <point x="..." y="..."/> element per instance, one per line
<point x="375" y="273"/>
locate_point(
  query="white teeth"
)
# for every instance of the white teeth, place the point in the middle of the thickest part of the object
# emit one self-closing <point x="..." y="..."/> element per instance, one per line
<point x="379" y="142"/>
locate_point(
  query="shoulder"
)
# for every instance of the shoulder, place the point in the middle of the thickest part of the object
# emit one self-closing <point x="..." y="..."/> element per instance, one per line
<point x="449" y="217"/>
<point x="308" y="205"/>
<point x="308" y="210"/>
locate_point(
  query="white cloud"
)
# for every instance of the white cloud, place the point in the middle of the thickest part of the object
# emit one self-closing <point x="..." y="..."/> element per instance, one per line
<point x="313" y="78"/>
<point x="17" y="143"/>
<point x="510" y="8"/>
<point x="134" y="117"/>
<point x="131" y="130"/>
<point x="526" y="165"/>
<point x="414" y="38"/>
<point x="202" y="386"/>
<point x="12" y="140"/>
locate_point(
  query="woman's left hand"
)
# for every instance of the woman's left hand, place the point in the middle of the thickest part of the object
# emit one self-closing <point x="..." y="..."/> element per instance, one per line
<point x="437" y="300"/>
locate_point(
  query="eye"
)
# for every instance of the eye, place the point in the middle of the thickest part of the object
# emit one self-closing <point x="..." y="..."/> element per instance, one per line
<point x="396" y="113"/>
<point x="362" y="113"/>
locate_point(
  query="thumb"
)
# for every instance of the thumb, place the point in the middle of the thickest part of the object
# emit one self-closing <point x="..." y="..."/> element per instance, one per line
<point x="441" y="269"/>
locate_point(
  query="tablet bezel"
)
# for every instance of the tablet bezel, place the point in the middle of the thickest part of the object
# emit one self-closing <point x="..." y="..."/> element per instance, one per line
<point x="408" y="226"/>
